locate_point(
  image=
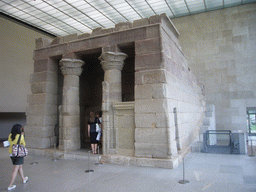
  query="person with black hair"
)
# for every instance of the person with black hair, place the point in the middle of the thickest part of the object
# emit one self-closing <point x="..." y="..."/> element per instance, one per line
<point x="13" y="138"/>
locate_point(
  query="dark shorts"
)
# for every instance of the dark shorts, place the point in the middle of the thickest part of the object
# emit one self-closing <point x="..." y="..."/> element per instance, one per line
<point x="93" y="136"/>
<point x="17" y="160"/>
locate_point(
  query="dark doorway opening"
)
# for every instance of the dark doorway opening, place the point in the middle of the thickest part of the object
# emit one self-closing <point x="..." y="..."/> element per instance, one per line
<point x="128" y="71"/>
<point x="90" y="91"/>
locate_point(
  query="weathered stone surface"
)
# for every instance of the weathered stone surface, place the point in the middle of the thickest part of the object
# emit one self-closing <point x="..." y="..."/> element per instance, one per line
<point x="148" y="46"/>
<point x="42" y="42"/>
<point x="148" y="61"/>
<point x="96" y="31"/>
<point x="77" y="46"/>
<point x="44" y="87"/>
<point x="42" y="109"/>
<point x="69" y="38"/>
<point x="40" y="131"/>
<point x="152" y="91"/>
<point x="45" y="65"/>
<point x="84" y="35"/>
<point x="150" y="77"/>
<point x="152" y="31"/>
<point x="38" y="142"/>
<point x="41" y="120"/>
<point x="151" y="150"/>
<point x="141" y="22"/>
<point x="150" y="106"/>
<point x="70" y="121"/>
<point x="43" y="77"/>
<point x="123" y="26"/>
<point x="128" y="36"/>
<point x="42" y="98"/>
<point x="57" y="40"/>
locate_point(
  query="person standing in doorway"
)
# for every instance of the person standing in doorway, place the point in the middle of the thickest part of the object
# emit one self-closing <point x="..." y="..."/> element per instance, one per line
<point x="99" y="136"/>
<point x="13" y="138"/>
<point x="92" y="133"/>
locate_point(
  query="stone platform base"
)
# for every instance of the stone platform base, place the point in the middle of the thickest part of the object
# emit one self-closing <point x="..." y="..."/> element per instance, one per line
<point x="147" y="162"/>
<point x="111" y="159"/>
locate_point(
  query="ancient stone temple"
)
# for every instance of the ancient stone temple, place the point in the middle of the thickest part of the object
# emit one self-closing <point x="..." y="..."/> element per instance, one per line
<point x="136" y="74"/>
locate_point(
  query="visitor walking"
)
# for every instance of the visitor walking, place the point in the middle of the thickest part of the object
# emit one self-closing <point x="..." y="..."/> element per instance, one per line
<point x="13" y="138"/>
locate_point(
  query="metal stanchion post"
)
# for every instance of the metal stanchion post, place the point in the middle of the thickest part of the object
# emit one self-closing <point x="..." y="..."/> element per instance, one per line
<point x="98" y="157"/>
<point x="34" y="162"/>
<point x="251" y="155"/>
<point x="183" y="181"/>
<point x="54" y="153"/>
<point x="89" y="170"/>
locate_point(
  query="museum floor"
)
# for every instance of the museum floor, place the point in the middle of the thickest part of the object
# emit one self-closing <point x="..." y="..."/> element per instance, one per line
<point x="205" y="172"/>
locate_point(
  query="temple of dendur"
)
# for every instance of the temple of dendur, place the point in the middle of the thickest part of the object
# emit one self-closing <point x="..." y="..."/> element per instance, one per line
<point x="136" y="74"/>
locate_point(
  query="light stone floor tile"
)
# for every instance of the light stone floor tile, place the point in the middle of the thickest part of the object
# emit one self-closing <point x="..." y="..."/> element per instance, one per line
<point x="205" y="173"/>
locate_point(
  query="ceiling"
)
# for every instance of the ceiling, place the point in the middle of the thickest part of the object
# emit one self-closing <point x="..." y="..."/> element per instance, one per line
<point x="64" y="17"/>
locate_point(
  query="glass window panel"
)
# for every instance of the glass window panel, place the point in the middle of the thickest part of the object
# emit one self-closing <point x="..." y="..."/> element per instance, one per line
<point x="34" y="3"/>
<point x="213" y="4"/>
<point x="15" y="3"/>
<point x="77" y="3"/>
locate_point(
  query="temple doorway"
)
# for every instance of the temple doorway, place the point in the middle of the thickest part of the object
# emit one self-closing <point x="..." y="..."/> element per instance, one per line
<point x="90" y="91"/>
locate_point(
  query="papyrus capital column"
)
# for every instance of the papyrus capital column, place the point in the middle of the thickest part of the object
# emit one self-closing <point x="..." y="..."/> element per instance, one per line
<point x="112" y="64"/>
<point x="70" y="110"/>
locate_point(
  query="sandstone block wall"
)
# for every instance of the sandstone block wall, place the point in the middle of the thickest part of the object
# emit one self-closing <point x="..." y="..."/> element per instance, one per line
<point x="221" y="50"/>
<point x="42" y="108"/>
<point x="169" y="101"/>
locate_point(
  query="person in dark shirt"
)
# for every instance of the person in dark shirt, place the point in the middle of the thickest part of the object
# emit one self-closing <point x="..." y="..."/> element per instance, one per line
<point x="92" y="133"/>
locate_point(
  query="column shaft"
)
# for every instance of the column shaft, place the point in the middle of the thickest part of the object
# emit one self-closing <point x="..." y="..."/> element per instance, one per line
<point x="112" y="64"/>
<point x="70" y="109"/>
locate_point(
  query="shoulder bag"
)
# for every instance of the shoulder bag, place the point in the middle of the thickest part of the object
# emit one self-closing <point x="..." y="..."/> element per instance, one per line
<point x="19" y="150"/>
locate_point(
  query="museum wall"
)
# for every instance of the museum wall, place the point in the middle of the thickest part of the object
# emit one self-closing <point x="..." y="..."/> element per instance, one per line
<point x="221" y="50"/>
<point x="16" y="62"/>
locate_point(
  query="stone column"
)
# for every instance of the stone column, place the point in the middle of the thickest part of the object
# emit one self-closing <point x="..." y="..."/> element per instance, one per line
<point x="112" y="64"/>
<point x="70" y="109"/>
